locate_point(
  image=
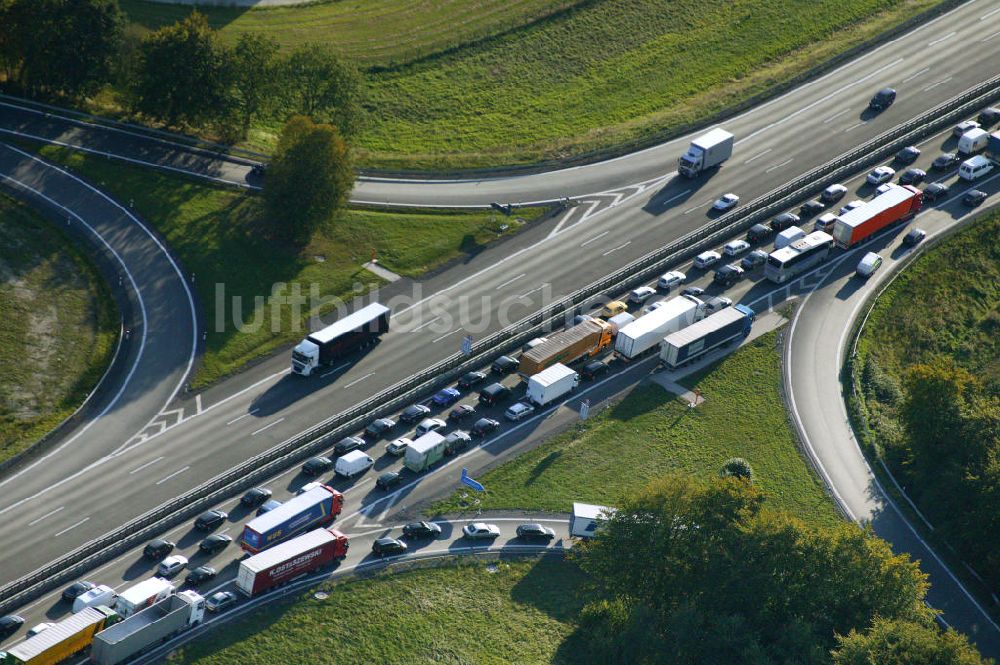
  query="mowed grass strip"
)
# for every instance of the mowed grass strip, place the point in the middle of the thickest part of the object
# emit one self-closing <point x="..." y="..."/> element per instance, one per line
<point x="58" y="327"/>
<point x="606" y="73"/>
<point x="373" y="32"/>
<point x="650" y="433"/>
<point x="520" y="613"/>
<point x="216" y="233"/>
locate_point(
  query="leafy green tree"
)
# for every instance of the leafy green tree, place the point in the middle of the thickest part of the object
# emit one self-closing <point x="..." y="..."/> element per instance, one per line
<point x="252" y="79"/>
<point x="737" y="467"/>
<point x="181" y="74"/>
<point x="889" y="642"/>
<point x="308" y="179"/>
<point x="318" y="83"/>
<point x="932" y="408"/>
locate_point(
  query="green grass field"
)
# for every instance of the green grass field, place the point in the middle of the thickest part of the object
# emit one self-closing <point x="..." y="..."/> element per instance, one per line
<point x="58" y="331"/>
<point x="212" y="232"/>
<point x="521" y="613"/>
<point x="650" y="433"/>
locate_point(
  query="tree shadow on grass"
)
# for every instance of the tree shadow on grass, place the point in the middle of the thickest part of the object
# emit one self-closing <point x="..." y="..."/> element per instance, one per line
<point x="543" y="466"/>
<point x="555" y="586"/>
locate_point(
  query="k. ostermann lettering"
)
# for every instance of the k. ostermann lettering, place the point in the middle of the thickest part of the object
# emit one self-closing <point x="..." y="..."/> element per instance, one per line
<point x="294" y="563"/>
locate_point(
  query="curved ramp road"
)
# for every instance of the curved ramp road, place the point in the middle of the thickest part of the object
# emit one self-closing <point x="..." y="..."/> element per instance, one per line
<point x="161" y="343"/>
<point x="815" y="353"/>
<point x="927" y="65"/>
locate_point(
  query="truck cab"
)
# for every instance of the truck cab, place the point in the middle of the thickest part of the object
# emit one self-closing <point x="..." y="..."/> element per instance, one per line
<point x="305" y="357"/>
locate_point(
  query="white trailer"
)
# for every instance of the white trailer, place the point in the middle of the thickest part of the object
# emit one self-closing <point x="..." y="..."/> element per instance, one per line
<point x="142" y="595"/>
<point x="706" y="151"/>
<point x="646" y="331"/>
<point x="587" y="519"/>
<point x="552" y="383"/>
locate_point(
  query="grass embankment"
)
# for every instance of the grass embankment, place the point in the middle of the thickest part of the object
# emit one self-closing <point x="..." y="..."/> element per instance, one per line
<point x="521" y="613"/>
<point x="58" y="327"/>
<point x="519" y="84"/>
<point x="215" y="233"/>
<point x="650" y="433"/>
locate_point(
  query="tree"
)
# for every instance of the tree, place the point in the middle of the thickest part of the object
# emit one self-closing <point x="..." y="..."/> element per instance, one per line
<point x="737" y="467"/>
<point x="180" y="75"/>
<point x="889" y="642"/>
<point x="308" y="179"/>
<point x="252" y="79"/>
<point x="932" y="408"/>
<point x="319" y="84"/>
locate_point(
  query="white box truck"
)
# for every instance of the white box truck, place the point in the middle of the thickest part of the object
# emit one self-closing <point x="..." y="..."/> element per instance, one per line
<point x="150" y="626"/>
<point x="353" y="463"/>
<point x="646" y="331"/>
<point x="587" y="519"/>
<point x="551" y="383"/>
<point x="101" y="594"/>
<point x="424" y="452"/>
<point x="706" y="152"/>
<point x="142" y="595"/>
<point x="973" y="141"/>
<point x="788" y="236"/>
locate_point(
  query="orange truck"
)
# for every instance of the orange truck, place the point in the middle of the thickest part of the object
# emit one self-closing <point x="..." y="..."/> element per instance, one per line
<point x="61" y="641"/>
<point x="587" y="338"/>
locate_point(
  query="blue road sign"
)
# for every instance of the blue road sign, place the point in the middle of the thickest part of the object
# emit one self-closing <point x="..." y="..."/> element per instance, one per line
<point x="466" y="480"/>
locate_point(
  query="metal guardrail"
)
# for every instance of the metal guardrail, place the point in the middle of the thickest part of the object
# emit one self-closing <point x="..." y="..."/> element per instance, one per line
<point x="298" y="448"/>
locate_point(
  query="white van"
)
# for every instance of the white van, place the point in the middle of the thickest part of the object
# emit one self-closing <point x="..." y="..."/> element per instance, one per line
<point x="353" y="463"/>
<point x="868" y="265"/>
<point x="973" y="141"/>
<point x="975" y="168"/>
<point x="788" y="236"/>
<point x="99" y="595"/>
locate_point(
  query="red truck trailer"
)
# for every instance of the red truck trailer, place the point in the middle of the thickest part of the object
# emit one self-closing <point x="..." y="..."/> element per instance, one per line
<point x="290" y="559"/>
<point x="899" y="203"/>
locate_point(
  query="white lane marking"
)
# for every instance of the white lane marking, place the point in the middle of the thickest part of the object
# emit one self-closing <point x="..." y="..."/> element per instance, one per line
<point x="267" y="426"/>
<point x="334" y="370"/>
<point x="590" y="211"/>
<point x="175" y="473"/>
<point x="448" y="334"/>
<point x="758" y="155"/>
<point x="697" y="207"/>
<point x="239" y="418"/>
<point x="48" y="514"/>
<point x="988" y="14"/>
<point x="836" y="115"/>
<point x="854" y="126"/>
<point x="71" y="527"/>
<point x="537" y="288"/>
<point x="615" y="249"/>
<point x="510" y="281"/>
<point x="916" y="74"/>
<point x="988" y="38"/>
<point x="941" y="39"/>
<point x="150" y="463"/>
<point x="424" y="325"/>
<point x="595" y="238"/>
<point x="676" y="196"/>
<point x="369" y="374"/>
<point x="197" y="403"/>
<point x="778" y="166"/>
<point x="934" y="85"/>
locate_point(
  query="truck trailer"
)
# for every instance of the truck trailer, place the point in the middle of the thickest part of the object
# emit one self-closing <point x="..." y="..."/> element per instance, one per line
<point x="290" y="560"/>
<point x="706" y="152"/>
<point x="646" y="331"/>
<point x="586" y="338"/>
<point x="62" y="640"/>
<point x="355" y="331"/>
<point x="693" y="342"/>
<point x="552" y="383"/>
<point x="993" y="147"/>
<point x="896" y="204"/>
<point x="142" y="595"/>
<point x="424" y="452"/>
<point x="314" y="508"/>
<point x="152" y="625"/>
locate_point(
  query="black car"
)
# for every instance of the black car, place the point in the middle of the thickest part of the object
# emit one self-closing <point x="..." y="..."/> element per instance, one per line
<point x="908" y="155"/>
<point x="378" y="428"/>
<point x="76" y="589"/>
<point x="753" y="260"/>
<point x="503" y="365"/>
<point x="988" y="117"/>
<point x="421" y="530"/>
<point x="810" y="208"/>
<point x="974" y="197"/>
<point x="693" y="291"/>
<point x="210" y="519"/>
<point x="882" y="100"/>
<point x="347" y="444"/>
<point x="484" y="426"/>
<point x="215" y="543"/>
<point x="912" y="177"/>
<point x="470" y="379"/>
<point x="535" y="532"/>
<point x="412" y="414"/>
<point x="783" y="221"/>
<point x="493" y="394"/>
<point x="945" y="161"/>
<point x="728" y="275"/>
<point x="10" y="624"/>
<point x="388" y="547"/>
<point x="258" y="170"/>
<point x="461" y="412"/>
<point x="935" y="191"/>
<point x="158" y="549"/>
<point x="200" y="575"/>
<point x="593" y="369"/>
<point x="759" y="233"/>
<point x="316" y="466"/>
<point x="389" y="479"/>
<point x="456" y="441"/>
<point x="255" y="497"/>
<point x="914" y="237"/>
